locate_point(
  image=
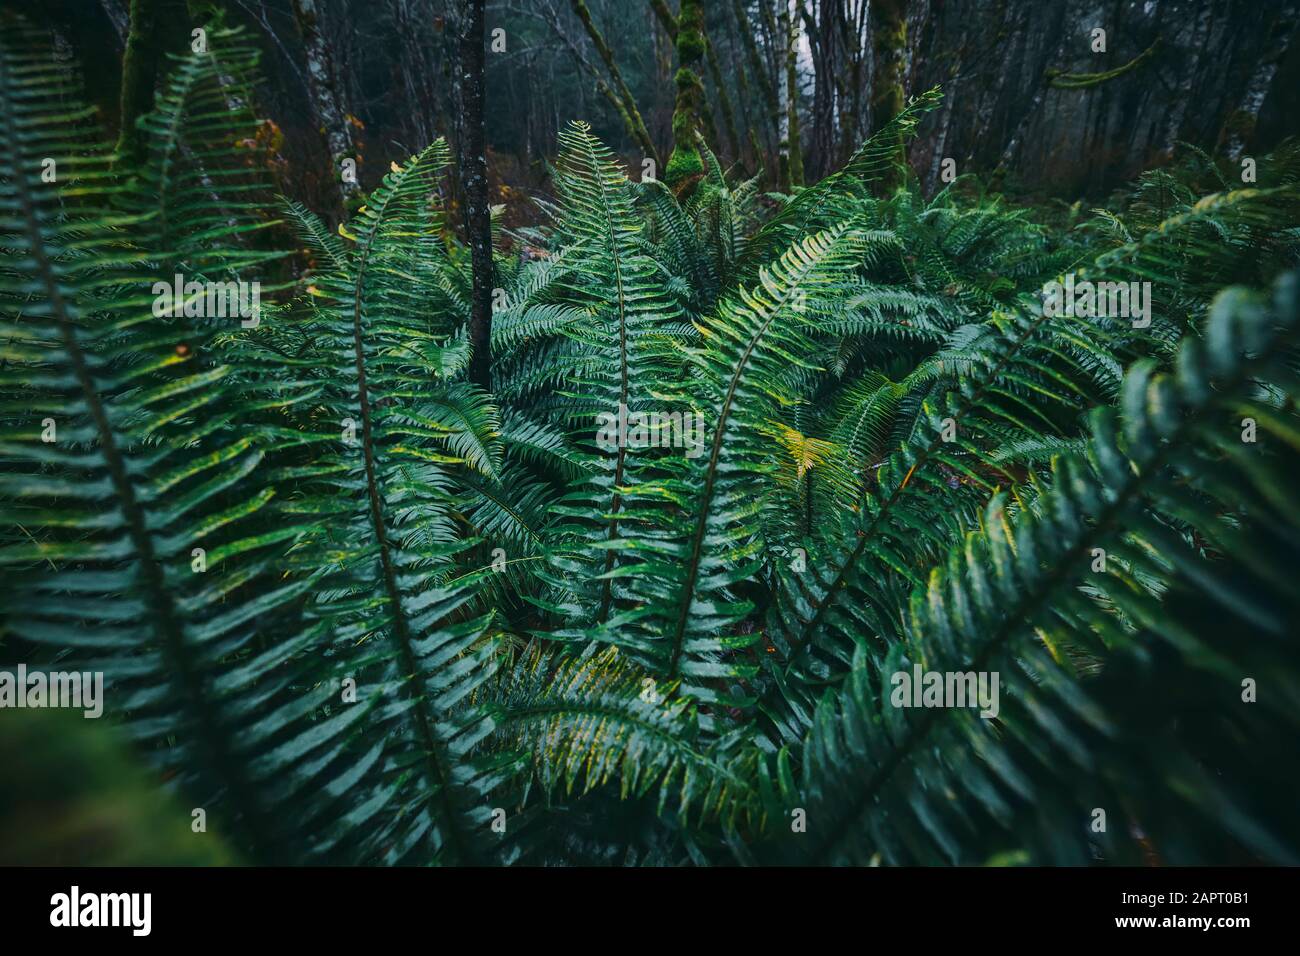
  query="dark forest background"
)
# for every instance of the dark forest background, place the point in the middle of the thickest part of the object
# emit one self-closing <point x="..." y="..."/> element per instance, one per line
<point x="1028" y="102"/>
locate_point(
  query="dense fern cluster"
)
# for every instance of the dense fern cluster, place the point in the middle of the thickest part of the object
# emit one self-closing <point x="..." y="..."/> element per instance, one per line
<point x="360" y="610"/>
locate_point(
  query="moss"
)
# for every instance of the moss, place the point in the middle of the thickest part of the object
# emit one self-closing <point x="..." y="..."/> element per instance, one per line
<point x="683" y="164"/>
<point x="685" y="80"/>
<point x="73" y="795"/>
<point x="1081" y="81"/>
<point x="889" y="46"/>
<point x="889" y="28"/>
<point x="685" y="161"/>
<point x="139" y="76"/>
<point x="690" y="46"/>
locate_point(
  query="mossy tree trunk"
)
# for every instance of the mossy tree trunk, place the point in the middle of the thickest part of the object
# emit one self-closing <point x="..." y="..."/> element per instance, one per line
<point x="760" y="73"/>
<point x="602" y="87"/>
<point x="666" y="18"/>
<point x="630" y="114"/>
<point x="889" y="45"/>
<point x="724" y="99"/>
<point x="139" y="75"/>
<point x="685" y="165"/>
<point x="669" y="23"/>
<point x="753" y="140"/>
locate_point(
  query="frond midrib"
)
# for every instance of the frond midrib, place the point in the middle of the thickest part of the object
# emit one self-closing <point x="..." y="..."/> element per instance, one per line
<point x="1060" y="572"/>
<point x="715" y="454"/>
<point x="158" y="597"/>
<point x="435" y="761"/>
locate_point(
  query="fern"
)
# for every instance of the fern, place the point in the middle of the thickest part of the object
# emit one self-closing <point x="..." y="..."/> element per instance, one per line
<point x="1009" y="599"/>
<point x="151" y="470"/>
<point x="362" y="610"/>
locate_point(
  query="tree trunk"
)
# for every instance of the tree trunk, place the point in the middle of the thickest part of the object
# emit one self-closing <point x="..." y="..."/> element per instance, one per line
<point x="632" y="116"/>
<point x="745" y="98"/>
<point x="820" y="28"/>
<point x="413" y="65"/>
<point x="473" y="172"/>
<point x="782" y="119"/>
<point x="666" y="18"/>
<point x="858" y="123"/>
<point x="1240" y="126"/>
<point x="889" y="45"/>
<point x="1005" y="60"/>
<point x="685" y="164"/>
<point x="795" y="154"/>
<point x="756" y="67"/>
<point x="724" y="100"/>
<point x="327" y="101"/>
<point x="139" y="76"/>
<point x="603" y="88"/>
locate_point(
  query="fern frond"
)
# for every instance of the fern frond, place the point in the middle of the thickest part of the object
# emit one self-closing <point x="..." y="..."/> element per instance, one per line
<point x="1005" y="598"/>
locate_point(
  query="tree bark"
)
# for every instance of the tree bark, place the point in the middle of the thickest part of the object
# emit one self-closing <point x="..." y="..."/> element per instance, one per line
<point x="1240" y="126"/>
<point x="753" y="140"/>
<point x="724" y="99"/>
<point x="118" y="16"/>
<point x="756" y="67"/>
<point x="782" y="119"/>
<point x="685" y="164"/>
<point x="795" y="153"/>
<point x="855" y="34"/>
<point x="821" y="45"/>
<point x="327" y="102"/>
<point x="413" y="65"/>
<point x="666" y="18"/>
<point x="473" y="171"/>
<point x="139" y="76"/>
<point x="669" y="23"/>
<point x="889" y="44"/>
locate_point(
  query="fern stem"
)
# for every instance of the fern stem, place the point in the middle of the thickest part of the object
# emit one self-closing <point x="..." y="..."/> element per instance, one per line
<point x="1061" y="571"/>
<point x="606" y="589"/>
<point x="895" y="496"/>
<point x="438" y="773"/>
<point x="715" y="453"/>
<point x="158" y="597"/>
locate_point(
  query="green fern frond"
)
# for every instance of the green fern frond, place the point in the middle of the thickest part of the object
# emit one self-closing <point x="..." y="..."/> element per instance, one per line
<point x="1007" y="596"/>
